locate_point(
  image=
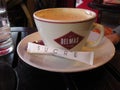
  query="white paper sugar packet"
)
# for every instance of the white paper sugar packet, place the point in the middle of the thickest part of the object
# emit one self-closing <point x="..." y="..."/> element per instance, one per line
<point x="85" y="57"/>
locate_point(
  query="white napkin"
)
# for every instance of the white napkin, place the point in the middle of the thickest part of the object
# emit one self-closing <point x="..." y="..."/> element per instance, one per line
<point x="85" y="57"/>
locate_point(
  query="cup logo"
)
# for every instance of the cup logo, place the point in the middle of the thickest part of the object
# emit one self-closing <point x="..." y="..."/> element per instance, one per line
<point x="69" y="40"/>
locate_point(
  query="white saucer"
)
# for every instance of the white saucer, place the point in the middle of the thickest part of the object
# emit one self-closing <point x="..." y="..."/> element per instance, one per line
<point x="103" y="53"/>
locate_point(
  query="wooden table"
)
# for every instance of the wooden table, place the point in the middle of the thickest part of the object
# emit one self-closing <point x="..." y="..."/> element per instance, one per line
<point x="106" y="77"/>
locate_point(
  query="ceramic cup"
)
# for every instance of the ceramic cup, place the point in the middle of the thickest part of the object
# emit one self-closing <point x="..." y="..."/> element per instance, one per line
<point x="67" y="28"/>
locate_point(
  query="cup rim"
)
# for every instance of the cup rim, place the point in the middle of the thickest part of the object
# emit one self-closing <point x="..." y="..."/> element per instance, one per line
<point x="64" y="21"/>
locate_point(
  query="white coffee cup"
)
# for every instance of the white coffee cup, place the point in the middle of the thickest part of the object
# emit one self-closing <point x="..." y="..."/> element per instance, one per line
<point x="67" y="28"/>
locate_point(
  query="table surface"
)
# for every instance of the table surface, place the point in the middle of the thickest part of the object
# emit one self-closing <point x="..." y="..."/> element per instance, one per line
<point x="106" y="77"/>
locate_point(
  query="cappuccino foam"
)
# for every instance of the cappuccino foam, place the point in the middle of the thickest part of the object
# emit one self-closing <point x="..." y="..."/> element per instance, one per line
<point x="65" y="14"/>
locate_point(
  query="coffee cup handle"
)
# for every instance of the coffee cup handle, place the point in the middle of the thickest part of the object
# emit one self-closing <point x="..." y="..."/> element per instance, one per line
<point x="99" y="39"/>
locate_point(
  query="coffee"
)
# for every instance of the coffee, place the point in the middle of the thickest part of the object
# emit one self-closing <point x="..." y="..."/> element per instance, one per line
<point x="64" y="14"/>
